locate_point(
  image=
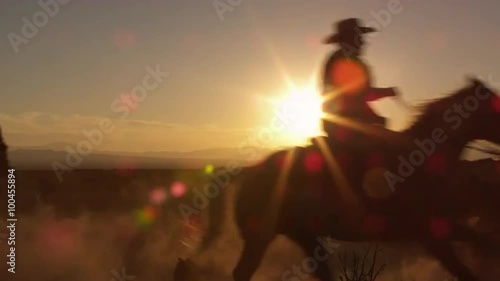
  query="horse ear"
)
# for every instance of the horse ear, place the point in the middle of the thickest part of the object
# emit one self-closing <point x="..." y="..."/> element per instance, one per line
<point x="473" y="80"/>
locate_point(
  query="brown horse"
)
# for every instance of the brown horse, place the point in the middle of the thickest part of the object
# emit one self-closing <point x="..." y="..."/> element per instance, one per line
<point x="308" y="192"/>
<point x="474" y="191"/>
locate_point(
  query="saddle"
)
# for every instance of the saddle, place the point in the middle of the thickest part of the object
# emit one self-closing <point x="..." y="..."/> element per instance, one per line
<point x="362" y="160"/>
<point x="362" y="142"/>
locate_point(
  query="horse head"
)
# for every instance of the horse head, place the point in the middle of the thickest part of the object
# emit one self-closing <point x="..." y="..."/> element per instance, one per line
<point x="483" y="104"/>
<point x="471" y="113"/>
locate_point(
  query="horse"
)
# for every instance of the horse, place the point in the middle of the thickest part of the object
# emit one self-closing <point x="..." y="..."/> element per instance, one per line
<point x="304" y="192"/>
<point x="475" y="189"/>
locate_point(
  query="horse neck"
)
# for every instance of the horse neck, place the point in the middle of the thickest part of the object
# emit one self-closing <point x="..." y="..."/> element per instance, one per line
<point x="455" y="140"/>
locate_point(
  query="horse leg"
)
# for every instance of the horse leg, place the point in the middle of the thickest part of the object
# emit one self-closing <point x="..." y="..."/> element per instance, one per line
<point x="318" y="265"/>
<point x="486" y="244"/>
<point x="445" y="253"/>
<point x="253" y="252"/>
<point x="131" y="258"/>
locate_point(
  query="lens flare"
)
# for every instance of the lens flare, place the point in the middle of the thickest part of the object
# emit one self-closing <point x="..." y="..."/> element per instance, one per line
<point x="440" y="227"/>
<point x="146" y="216"/>
<point x="349" y="75"/>
<point x="305" y="108"/>
<point x="209" y="169"/>
<point x="313" y="162"/>
<point x="59" y="241"/>
<point x="178" y="189"/>
<point x="157" y="196"/>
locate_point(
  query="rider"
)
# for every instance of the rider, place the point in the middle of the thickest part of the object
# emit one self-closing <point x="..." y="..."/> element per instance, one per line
<point x="347" y="79"/>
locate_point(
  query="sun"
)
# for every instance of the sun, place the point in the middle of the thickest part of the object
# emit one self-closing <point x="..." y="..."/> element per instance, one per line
<point x="304" y="105"/>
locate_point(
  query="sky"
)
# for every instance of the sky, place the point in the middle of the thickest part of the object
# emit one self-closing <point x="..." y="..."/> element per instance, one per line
<point x="222" y="67"/>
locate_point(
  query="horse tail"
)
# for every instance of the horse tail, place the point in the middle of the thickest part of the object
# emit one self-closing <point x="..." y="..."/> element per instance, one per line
<point x="217" y="207"/>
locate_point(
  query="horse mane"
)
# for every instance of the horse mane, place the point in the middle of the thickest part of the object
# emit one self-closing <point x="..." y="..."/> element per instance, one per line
<point x="427" y="109"/>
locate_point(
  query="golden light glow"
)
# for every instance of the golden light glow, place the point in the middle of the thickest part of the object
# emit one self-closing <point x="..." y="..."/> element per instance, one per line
<point x="346" y="193"/>
<point x="305" y="105"/>
<point x="280" y="189"/>
<point x="369" y="130"/>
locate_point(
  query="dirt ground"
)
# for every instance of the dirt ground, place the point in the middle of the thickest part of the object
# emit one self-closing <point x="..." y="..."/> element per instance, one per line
<point x="102" y="225"/>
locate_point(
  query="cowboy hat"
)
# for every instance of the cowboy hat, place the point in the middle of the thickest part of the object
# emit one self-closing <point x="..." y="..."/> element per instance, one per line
<point x="347" y="26"/>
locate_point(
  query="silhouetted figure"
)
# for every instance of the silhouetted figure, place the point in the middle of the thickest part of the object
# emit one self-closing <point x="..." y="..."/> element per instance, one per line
<point x="305" y="202"/>
<point x="4" y="162"/>
<point x="347" y="81"/>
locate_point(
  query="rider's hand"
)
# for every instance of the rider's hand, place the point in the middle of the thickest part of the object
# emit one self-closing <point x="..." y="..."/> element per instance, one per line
<point x="393" y="92"/>
<point x="378" y="93"/>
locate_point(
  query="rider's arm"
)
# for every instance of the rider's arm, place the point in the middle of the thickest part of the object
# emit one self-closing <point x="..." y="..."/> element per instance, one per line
<point x="375" y="93"/>
<point x="378" y="93"/>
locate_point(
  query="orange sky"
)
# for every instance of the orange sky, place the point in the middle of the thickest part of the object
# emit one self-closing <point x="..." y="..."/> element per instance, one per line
<point x="222" y="68"/>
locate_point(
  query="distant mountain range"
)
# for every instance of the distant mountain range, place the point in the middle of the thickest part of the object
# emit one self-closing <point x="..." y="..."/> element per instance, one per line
<point x="42" y="157"/>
